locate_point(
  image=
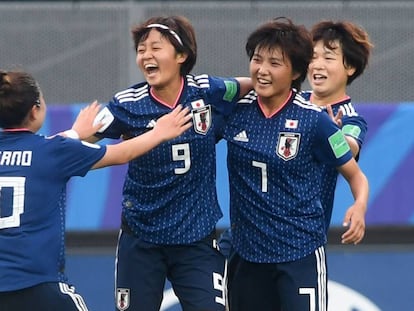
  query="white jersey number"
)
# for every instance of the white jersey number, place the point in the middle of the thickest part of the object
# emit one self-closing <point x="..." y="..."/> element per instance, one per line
<point x="312" y="296"/>
<point x="181" y="152"/>
<point x="263" y="168"/>
<point x="17" y="184"/>
<point x="219" y="285"/>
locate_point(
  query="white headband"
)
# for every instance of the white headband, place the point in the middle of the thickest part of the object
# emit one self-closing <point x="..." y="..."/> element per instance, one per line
<point x="166" y="28"/>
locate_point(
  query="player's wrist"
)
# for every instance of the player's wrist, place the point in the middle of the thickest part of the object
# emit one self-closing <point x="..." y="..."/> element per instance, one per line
<point x="71" y="134"/>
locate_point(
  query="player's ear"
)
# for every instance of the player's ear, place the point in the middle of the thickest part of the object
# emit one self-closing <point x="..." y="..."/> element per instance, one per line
<point x="181" y="57"/>
<point x="295" y="76"/>
<point x="34" y="112"/>
<point x="350" y="70"/>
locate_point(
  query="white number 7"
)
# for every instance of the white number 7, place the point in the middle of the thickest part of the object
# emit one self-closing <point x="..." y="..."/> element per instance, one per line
<point x="311" y="292"/>
<point x="263" y="167"/>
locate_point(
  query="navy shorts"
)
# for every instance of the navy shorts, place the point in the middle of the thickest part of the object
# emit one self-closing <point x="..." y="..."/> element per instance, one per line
<point x="299" y="285"/>
<point x="43" y="297"/>
<point x="195" y="271"/>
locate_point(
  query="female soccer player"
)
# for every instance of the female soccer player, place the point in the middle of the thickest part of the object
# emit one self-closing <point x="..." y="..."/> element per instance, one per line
<point x="277" y="142"/>
<point x="34" y="171"/>
<point x="341" y="51"/>
<point x="170" y="206"/>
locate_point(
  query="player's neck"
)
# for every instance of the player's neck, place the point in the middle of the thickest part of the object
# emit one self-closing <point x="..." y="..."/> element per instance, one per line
<point x="271" y="105"/>
<point x="20" y="129"/>
<point x="170" y="94"/>
<point x="323" y="100"/>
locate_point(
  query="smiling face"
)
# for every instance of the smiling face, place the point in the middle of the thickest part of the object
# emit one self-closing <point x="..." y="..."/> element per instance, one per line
<point x="272" y="75"/>
<point x="327" y="73"/>
<point x="159" y="61"/>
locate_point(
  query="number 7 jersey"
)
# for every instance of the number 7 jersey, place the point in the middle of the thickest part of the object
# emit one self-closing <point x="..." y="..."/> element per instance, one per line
<point x="275" y="171"/>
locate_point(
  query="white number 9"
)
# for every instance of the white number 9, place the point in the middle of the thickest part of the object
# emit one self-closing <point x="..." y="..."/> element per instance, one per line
<point x="181" y="152"/>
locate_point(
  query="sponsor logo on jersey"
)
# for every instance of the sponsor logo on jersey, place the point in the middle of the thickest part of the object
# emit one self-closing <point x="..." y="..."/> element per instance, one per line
<point x="288" y="145"/>
<point x="151" y="124"/>
<point x="202" y="119"/>
<point x="242" y="136"/>
<point x="122" y="298"/>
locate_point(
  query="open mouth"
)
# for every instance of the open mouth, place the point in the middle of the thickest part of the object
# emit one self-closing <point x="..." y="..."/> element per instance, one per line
<point x="150" y="68"/>
<point x="318" y="77"/>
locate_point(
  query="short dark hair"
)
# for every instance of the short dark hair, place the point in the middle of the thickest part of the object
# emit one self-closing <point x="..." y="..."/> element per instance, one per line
<point x="294" y="41"/>
<point x="180" y="26"/>
<point x="353" y="39"/>
<point x="19" y="91"/>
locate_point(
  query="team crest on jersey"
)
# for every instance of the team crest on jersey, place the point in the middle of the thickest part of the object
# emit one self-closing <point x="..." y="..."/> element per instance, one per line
<point x="122" y="298"/>
<point x="202" y="119"/>
<point x="288" y="145"/>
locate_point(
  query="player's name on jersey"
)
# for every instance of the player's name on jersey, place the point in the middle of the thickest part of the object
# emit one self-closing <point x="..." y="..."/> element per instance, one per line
<point x="16" y="158"/>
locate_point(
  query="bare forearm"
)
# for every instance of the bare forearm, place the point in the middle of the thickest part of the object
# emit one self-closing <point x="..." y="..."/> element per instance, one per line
<point x="130" y="149"/>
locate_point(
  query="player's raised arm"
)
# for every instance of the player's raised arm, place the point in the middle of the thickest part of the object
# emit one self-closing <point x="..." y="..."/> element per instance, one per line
<point x="85" y="126"/>
<point x="167" y="127"/>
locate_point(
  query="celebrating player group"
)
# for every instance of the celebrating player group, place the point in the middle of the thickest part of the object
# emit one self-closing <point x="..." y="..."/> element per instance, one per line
<point x="286" y="147"/>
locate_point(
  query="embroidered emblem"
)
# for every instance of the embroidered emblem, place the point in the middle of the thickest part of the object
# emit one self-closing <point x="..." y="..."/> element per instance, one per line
<point x="122" y="298"/>
<point x="202" y="119"/>
<point x="288" y="145"/>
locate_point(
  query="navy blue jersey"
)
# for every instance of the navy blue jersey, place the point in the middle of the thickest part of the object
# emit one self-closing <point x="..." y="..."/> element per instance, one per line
<point x="353" y="125"/>
<point x="169" y="194"/>
<point x="34" y="171"/>
<point x="275" y="177"/>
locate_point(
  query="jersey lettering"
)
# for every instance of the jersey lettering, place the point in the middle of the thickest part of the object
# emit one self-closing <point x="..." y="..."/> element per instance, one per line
<point x="21" y="158"/>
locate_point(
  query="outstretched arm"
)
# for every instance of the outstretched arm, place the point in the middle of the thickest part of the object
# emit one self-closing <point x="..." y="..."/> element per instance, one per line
<point x="167" y="127"/>
<point x="84" y="126"/>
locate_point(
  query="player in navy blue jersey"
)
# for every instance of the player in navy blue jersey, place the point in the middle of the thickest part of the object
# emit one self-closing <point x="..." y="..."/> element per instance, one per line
<point x="170" y="206"/>
<point x="341" y="51"/>
<point x="277" y="142"/>
<point x="34" y="171"/>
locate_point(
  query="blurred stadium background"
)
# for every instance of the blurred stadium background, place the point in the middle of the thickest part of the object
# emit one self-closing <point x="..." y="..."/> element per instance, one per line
<point x="82" y="50"/>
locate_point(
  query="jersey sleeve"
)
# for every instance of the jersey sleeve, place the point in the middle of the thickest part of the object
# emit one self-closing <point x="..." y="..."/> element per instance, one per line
<point x="114" y="117"/>
<point x="331" y="147"/>
<point x="74" y="157"/>
<point x="223" y="94"/>
<point x="356" y="127"/>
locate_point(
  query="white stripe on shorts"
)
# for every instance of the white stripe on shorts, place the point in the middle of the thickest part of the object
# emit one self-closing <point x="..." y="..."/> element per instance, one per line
<point x="76" y="298"/>
<point x="321" y="270"/>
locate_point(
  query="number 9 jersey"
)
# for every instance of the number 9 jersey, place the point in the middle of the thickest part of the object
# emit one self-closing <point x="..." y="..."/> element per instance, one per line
<point x="169" y="194"/>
